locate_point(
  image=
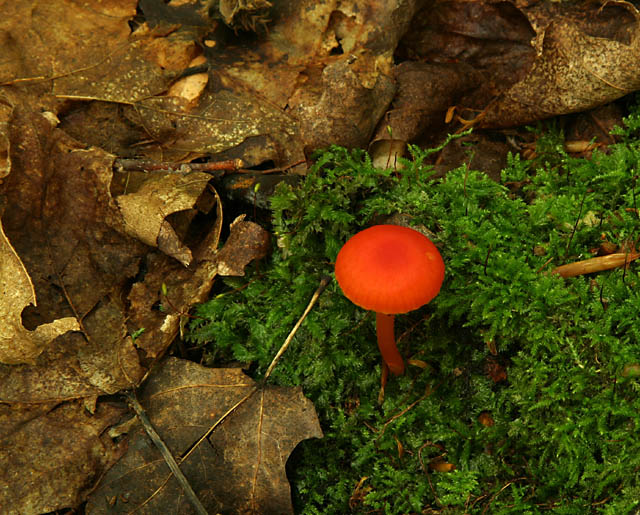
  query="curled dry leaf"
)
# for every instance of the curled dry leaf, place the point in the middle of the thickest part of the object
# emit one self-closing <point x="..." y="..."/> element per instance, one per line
<point x="145" y="211"/>
<point x="66" y="230"/>
<point x="238" y="468"/>
<point x="18" y="344"/>
<point x="321" y="74"/>
<point x="247" y="241"/>
<point x="65" y="243"/>
<point x="573" y="72"/>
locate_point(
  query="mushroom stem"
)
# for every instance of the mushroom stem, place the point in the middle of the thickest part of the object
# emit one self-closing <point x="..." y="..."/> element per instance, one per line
<point x="387" y="343"/>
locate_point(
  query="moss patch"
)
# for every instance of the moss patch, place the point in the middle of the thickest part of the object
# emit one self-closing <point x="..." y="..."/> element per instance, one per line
<point x="529" y="400"/>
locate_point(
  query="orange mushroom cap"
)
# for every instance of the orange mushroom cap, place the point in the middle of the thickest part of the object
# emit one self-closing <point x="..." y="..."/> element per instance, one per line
<point x="389" y="269"/>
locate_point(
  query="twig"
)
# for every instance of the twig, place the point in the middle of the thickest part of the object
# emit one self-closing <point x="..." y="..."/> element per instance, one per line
<point x="314" y="298"/>
<point x="575" y="226"/>
<point x="219" y="421"/>
<point x="166" y="454"/>
<point x="597" y="264"/>
<point x="145" y="165"/>
<point x="486" y="261"/>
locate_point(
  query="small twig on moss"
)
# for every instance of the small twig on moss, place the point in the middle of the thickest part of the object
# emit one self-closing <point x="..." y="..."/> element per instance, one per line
<point x="575" y="226"/>
<point x="426" y="394"/>
<point x="633" y="193"/>
<point x="597" y="264"/>
<point x="314" y="298"/>
<point x="486" y="261"/>
<point x="504" y="487"/>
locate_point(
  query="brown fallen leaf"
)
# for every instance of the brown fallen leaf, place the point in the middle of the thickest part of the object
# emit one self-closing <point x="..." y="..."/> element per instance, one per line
<point x="573" y="71"/>
<point x="65" y="244"/>
<point x="489" y="41"/>
<point x="66" y="230"/>
<point x="238" y="468"/>
<point x="424" y="93"/>
<point x="247" y="242"/>
<point x="597" y="264"/>
<point x="53" y="459"/>
<point x="146" y="211"/>
<point x="184" y="288"/>
<point x="18" y="344"/>
<point x="321" y="74"/>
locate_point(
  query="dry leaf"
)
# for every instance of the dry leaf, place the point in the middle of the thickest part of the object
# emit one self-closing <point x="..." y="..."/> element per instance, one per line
<point x="17" y="344"/>
<point x="66" y="244"/>
<point x="247" y="242"/>
<point x="320" y="74"/>
<point x="128" y="69"/>
<point x="52" y="460"/>
<point x="239" y="468"/>
<point x="65" y="227"/>
<point x="145" y="211"/>
<point x="573" y="72"/>
<point x="184" y="288"/>
<point x="425" y="92"/>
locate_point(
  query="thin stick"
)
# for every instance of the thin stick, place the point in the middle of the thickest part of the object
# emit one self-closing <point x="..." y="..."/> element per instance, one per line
<point x="145" y="165"/>
<point x="166" y="454"/>
<point x="597" y="264"/>
<point x="575" y="226"/>
<point x="323" y="284"/>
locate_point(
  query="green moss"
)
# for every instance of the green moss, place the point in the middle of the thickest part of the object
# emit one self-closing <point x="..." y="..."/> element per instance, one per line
<point x="566" y="418"/>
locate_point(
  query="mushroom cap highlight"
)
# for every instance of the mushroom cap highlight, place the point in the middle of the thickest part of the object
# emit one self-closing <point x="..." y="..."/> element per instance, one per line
<point x="389" y="269"/>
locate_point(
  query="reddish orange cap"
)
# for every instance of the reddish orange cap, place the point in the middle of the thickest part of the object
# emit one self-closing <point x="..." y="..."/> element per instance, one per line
<point x="389" y="269"/>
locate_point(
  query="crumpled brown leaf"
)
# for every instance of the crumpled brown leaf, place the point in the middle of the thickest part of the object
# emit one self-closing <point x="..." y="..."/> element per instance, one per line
<point x="145" y="211"/>
<point x="320" y="74"/>
<point x="183" y="288"/>
<point x="17" y="344"/>
<point x="573" y="71"/>
<point x="530" y="60"/>
<point x="72" y="237"/>
<point x="239" y="468"/>
<point x="66" y="229"/>
<point x="54" y="458"/>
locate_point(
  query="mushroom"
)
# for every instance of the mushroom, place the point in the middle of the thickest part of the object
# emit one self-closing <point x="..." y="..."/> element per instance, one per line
<point x="389" y="269"/>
